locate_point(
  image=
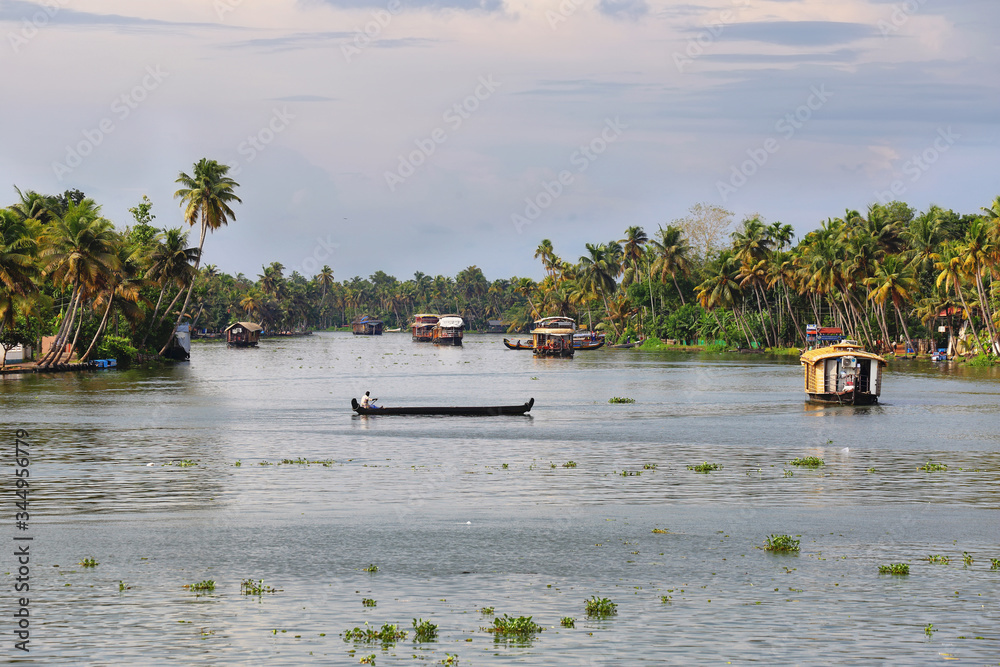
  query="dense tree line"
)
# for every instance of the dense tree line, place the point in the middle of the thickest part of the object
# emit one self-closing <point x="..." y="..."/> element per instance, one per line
<point x="889" y="274"/>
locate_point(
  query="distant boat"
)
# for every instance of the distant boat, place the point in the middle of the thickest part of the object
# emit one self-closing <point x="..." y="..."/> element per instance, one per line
<point x="843" y="373"/>
<point x="471" y="411"/>
<point x="242" y="334"/>
<point x="422" y="329"/>
<point x="396" y="330"/>
<point x="367" y="326"/>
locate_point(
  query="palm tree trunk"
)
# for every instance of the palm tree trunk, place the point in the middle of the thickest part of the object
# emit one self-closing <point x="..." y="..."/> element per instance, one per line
<point x="906" y="331"/>
<point x="197" y="263"/>
<point x="677" y="287"/>
<point x="100" y="329"/>
<point x="987" y="315"/>
<point x="795" y="321"/>
<point x="65" y="327"/>
<point x="156" y="311"/>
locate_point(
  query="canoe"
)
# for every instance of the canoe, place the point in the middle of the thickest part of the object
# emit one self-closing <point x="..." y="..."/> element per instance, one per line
<point x="518" y="345"/>
<point x="487" y="410"/>
<point x="624" y="346"/>
<point x="586" y="345"/>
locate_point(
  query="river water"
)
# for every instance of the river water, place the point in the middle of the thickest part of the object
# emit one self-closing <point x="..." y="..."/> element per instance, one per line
<point x="462" y="514"/>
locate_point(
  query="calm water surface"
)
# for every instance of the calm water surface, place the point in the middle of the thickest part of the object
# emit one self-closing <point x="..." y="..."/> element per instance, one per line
<point x="465" y="513"/>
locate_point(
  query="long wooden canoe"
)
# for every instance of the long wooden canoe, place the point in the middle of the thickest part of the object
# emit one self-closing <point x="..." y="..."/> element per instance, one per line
<point x="577" y="345"/>
<point x="518" y="345"/>
<point x="486" y="410"/>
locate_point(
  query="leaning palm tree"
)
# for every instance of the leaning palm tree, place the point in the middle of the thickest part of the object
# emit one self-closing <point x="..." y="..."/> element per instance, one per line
<point x="206" y="196"/>
<point x="123" y="288"/>
<point x="894" y="280"/>
<point x="952" y="273"/>
<point x="170" y="263"/>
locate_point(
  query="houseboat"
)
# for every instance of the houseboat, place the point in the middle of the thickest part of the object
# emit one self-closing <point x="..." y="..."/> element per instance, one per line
<point x="553" y="337"/>
<point x="448" y="330"/>
<point x="423" y="327"/>
<point x="366" y="326"/>
<point x="843" y="373"/>
<point x="242" y="334"/>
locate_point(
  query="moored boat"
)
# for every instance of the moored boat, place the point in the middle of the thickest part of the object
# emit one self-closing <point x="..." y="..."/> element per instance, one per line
<point x="448" y="330"/>
<point x="844" y="373"/>
<point x="422" y="328"/>
<point x="588" y="340"/>
<point x="553" y="337"/>
<point x="518" y="345"/>
<point x="367" y="326"/>
<point x="469" y="410"/>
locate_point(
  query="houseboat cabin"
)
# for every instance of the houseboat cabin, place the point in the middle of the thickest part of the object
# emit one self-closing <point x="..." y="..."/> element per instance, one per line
<point x="448" y="330"/>
<point x="423" y="327"/>
<point x="243" y="334"/>
<point x="843" y="373"/>
<point x="367" y="326"/>
<point x="553" y="337"/>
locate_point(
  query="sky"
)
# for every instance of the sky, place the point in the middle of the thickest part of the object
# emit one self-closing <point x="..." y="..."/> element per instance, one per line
<point x="431" y="135"/>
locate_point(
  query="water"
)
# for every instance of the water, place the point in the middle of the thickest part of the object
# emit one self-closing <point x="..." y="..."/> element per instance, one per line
<point x="428" y="500"/>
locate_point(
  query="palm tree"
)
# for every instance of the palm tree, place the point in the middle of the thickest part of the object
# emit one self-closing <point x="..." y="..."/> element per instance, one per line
<point x="673" y="256"/>
<point x="979" y="251"/>
<point x="170" y="262"/>
<point x="547" y="254"/>
<point x="598" y="270"/>
<point x="124" y="284"/>
<point x="951" y="267"/>
<point x="894" y="280"/>
<point x="635" y="239"/>
<point x="17" y="264"/>
<point x="206" y="196"/>
<point x="79" y="252"/>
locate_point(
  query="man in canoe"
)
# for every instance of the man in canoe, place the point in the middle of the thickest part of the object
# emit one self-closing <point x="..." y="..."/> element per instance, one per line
<point x="368" y="402"/>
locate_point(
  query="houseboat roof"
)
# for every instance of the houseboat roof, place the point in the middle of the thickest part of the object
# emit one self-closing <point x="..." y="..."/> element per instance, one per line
<point x="249" y="326"/>
<point x="422" y="316"/>
<point x="451" y="322"/>
<point x="556" y="322"/>
<point x="553" y="331"/>
<point x="846" y="349"/>
<point x="366" y="319"/>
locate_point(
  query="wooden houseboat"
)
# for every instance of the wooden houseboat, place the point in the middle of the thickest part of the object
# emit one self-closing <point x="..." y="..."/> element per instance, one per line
<point x="553" y="337"/>
<point x="422" y="328"/>
<point x="448" y="330"/>
<point x="242" y="334"/>
<point x="843" y="373"/>
<point x="366" y="326"/>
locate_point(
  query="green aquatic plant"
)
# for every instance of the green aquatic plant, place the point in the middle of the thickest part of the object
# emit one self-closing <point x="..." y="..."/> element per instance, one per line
<point x="520" y="627"/>
<point x="872" y="470"/>
<point x="781" y="544"/>
<point x="367" y="659"/>
<point x="787" y="473"/>
<point x="938" y="558"/>
<point x="981" y="361"/>
<point x="621" y="399"/>
<point x="995" y="563"/>
<point x="122" y="586"/>
<point x="183" y="463"/>
<point x="808" y="462"/>
<point x="89" y="562"/>
<point x="449" y="659"/>
<point x="372" y="567"/>
<point x="929" y="630"/>
<point x="967" y="558"/>
<point x="389" y="633"/>
<point x="255" y="587"/>
<point x="930" y="466"/>
<point x="705" y="467"/>
<point x="368" y="602"/>
<point x="486" y="611"/>
<point x="424" y="631"/>
<point x="505" y="466"/>
<point x="237" y="464"/>
<point x="206" y="586"/>
<point x="569" y="464"/>
<point x="600" y="607"/>
<point x="661" y="531"/>
<point x="649" y="466"/>
<point x="894" y="568"/>
<point x="567" y="622"/>
<point x="301" y="461"/>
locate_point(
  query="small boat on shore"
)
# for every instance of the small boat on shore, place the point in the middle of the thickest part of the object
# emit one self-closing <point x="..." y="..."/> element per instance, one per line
<point x="625" y="346"/>
<point x="469" y="411"/>
<point x="844" y="374"/>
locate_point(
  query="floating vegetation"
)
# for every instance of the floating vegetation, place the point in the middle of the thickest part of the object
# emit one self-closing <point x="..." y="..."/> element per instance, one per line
<point x="183" y="463"/>
<point x="521" y="627"/>
<point x="389" y="633"/>
<point x="367" y="659"/>
<point x="894" y="568"/>
<point x="301" y="461"/>
<point x="238" y="463"/>
<point x="621" y="399"/>
<point x="255" y="587"/>
<point x="808" y="462"/>
<point x="569" y="464"/>
<point x="781" y="544"/>
<point x="665" y="599"/>
<point x="661" y="531"/>
<point x="872" y="471"/>
<point x="938" y="558"/>
<point x="122" y="586"/>
<point x="535" y="377"/>
<point x="929" y="630"/>
<point x="372" y="567"/>
<point x="567" y="622"/>
<point x="89" y="562"/>
<point x="967" y="558"/>
<point x="486" y="611"/>
<point x="368" y="602"/>
<point x="649" y="466"/>
<point x="206" y="586"/>
<point x="930" y="466"/>
<point x="705" y="467"/>
<point x="505" y="466"/>
<point x="424" y="631"/>
<point x="449" y="659"/>
<point x="600" y="607"/>
<point x="995" y="563"/>
<point x="787" y="473"/>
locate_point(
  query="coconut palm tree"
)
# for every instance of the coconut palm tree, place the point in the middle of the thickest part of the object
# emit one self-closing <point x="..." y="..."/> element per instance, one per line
<point x="206" y="196"/>
<point x="121" y="287"/>
<point x="18" y="249"/>
<point x="634" y="241"/>
<point x="951" y="267"/>
<point x="673" y="256"/>
<point x="895" y="281"/>
<point x="598" y="270"/>
<point x="170" y="263"/>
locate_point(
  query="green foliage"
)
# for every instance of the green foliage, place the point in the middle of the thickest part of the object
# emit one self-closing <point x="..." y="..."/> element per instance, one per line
<point x="967" y="558"/>
<point x="424" y="631"/>
<point x="995" y="563"/>
<point x="368" y="602"/>
<point x="649" y="466"/>
<point x="206" y="586"/>
<point x="894" y="568"/>
<point x="600" y="607"/>
<point x="930" y="466"/>
<point x="661" y="531"/>
<point x="619" y="399"/>
<point x="372" y="567"/>
<point x="388" y="634"/>
<point x="569" y="464"/>
<point x="781" y="544"/>
<point x="705" y="467"/>
<point x="89" y="562"/>
<point x="929" y="629"/>
<point x="938" y="558"/>
<point x="486" y="611"/>
<point x="255" y="587"/>
<point x="367" y="659"/>
<point x="982" y="361"/>
<point x="116" y="347"/>
<point x="808" y="462"/>
<point x="567" y="622"/>
<point x="521" y="627"/>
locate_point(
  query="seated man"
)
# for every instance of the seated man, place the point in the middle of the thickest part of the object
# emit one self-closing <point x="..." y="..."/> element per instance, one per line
<point x="368" y="402"/>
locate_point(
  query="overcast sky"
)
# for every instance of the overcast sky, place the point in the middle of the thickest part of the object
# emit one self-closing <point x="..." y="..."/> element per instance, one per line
<point x="430" y="135"/>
